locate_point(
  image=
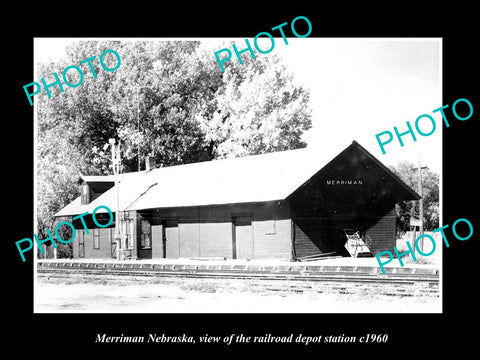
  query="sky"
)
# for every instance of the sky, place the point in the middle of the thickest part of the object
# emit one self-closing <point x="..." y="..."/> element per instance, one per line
<point x="359" y="87"/>
<point x="362" y="87"/>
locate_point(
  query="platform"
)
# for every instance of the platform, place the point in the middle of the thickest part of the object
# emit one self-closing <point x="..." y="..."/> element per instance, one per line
<point x="344" y="264"/>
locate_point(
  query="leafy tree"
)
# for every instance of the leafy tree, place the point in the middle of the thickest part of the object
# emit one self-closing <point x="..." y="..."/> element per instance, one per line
<point x="259" y="109"/>
<point x="169" y="100"/>
<point x="405" y="210"/>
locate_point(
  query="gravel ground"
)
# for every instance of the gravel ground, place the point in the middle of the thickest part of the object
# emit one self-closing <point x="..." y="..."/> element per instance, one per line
<point x="122" y="296"/>
<point x="105" y="296"/>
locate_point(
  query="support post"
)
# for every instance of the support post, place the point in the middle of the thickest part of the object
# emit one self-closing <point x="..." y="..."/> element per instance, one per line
<point x="293" y="254"/>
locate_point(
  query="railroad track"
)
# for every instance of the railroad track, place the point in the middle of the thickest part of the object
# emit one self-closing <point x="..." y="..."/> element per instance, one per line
<point x="276" y="278"/>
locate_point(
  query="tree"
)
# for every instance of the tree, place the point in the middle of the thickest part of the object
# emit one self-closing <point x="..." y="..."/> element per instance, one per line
<point x="167" y="100"/>
<point x="405" y="210"/>
<point x="258" y="110"/>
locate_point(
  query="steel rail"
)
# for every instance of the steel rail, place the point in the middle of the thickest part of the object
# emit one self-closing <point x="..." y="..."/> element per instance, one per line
<point x="274" y="280"/>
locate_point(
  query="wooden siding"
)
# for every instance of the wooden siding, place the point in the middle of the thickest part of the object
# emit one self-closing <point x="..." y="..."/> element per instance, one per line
<point x="382" y="231"/>
<point x="172" y="240"/>
<point x="143" y="253"/>
<point x="133" y="236"/>
<point x="157" y="241"/>
<point x="242" y="236"/>
<point x="75" y="243"/>
<point x="106" y="236"/>
<point x="310" y="237"/>
<point x="353" y="192"/>
<point x="208" y="231"/>
<point x="268" y="245"/>
<point x="189" y="239"/>
<point x="215" y="231"/>
<point x="159" y="215"/>
<point x="316" y="236"/>
<point x="88" y="245"/>
<point x="216" y="240"/>
<point x="104" y="252"/>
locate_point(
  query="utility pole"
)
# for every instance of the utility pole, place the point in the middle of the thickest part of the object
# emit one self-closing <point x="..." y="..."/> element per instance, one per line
<point x="138" y="88"/>
<point x="420" y="192"/>
<point x="116" y="168"/>
<point x="138" y="126"/>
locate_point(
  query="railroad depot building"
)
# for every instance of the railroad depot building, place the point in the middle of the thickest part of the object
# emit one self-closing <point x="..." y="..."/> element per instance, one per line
<point x="284" y="205"/>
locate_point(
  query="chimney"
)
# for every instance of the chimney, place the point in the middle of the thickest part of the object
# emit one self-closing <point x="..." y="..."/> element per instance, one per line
<point x="85" y="199"/>
<point x="150" y="163"/>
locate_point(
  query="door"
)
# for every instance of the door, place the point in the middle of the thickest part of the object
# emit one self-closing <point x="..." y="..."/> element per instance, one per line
<point x="144" y="244"/>
<point x="243" y="237"/>
<point x="170" y="239"/>
<point x="158" y="249"/>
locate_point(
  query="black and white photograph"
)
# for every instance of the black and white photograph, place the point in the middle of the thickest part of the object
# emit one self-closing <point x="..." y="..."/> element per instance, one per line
<point x="260" y="188"/>
<point x="218" y="179"/>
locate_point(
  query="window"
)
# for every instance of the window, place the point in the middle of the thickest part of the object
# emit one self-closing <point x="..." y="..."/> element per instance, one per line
<point x="128" y="234"/>
<point x="131" y="235"/>
<point x="146" y="235"/>
<point x="270" y="227"/>
<point x="96" y="238"/>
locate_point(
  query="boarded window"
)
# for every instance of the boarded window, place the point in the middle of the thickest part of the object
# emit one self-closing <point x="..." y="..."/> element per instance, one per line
<point x="146" y="235"/>
<point x="270" y="227"/>
<point x="96" y="238"/>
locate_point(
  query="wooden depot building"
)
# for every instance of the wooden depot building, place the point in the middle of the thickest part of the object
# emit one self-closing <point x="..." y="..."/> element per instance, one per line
<point x="285" y="205"/>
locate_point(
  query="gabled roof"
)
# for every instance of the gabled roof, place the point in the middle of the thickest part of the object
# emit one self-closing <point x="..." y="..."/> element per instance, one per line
<point x="413" y="195"/>
<point x="257" y="178"/>
<point x="98" y="178"/>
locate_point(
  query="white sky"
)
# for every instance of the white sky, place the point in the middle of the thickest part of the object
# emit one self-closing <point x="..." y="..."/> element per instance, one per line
<point x="358" y="88"/>
<point x="361" y="87"/>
